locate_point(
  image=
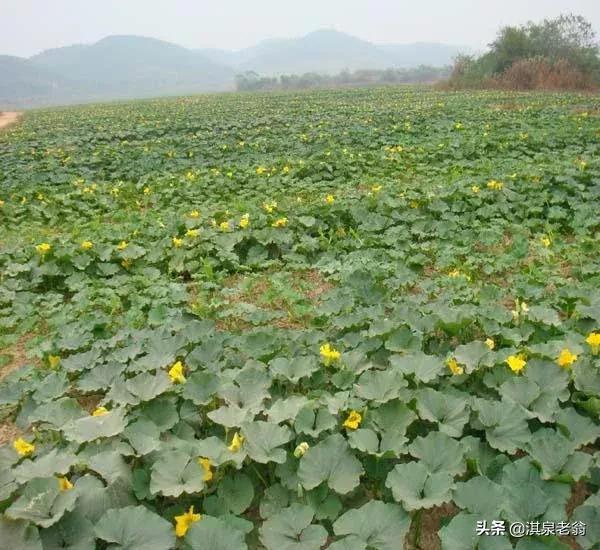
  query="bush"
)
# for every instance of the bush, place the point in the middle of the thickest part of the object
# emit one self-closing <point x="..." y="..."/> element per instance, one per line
<point x="539" y="73"/>
<point x="559" y="53"/>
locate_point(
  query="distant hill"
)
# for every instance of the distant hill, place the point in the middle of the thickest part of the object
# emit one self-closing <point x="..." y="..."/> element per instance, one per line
<point x="117" y="67"/>
<point x="122" y="67"/>
<point x="134" y="65"/>
<point x="329" y="52"/>
<point x="21" y="81"/>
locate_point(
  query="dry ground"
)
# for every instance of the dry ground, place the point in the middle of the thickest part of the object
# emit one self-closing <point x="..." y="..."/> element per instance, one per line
<point x="7" y="118"/>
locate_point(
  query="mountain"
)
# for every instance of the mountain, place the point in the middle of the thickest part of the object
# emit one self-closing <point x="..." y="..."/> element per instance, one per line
<point x="330" y="51"/>
<point x="117" y="67"/>
<point x="122" y="67"/>
<point x="22" y="82"/>
<point x="136" y="66"/>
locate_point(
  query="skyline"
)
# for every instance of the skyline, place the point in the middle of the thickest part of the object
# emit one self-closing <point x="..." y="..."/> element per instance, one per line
<point x="199" y="25"/>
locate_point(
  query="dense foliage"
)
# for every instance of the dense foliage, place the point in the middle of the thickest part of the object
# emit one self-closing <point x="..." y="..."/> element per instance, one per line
<point x="565" y="47"/>
<point x="252" y="81"/>
<point x="301" y="320"/>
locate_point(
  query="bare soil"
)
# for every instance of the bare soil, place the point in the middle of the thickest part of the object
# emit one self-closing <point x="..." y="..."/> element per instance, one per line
<point x="8" y="118"/>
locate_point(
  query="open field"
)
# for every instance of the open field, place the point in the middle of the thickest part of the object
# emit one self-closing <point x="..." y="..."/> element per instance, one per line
<point x="342" y="319"/>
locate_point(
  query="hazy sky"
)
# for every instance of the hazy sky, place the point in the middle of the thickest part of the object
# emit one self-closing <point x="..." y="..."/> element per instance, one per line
<point x="29" y="26"/>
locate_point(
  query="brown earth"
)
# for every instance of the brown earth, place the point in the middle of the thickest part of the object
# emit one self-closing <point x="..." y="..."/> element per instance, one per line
<point x="8" y="118"/>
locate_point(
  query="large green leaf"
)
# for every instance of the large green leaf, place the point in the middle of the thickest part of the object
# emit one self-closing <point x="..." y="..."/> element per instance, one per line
<point x="472" y="355"/>
<point x="94" y="498"/>
<point x="147" y="386"/>
<point x="424" y="367"/>
<point x="414" y="486"/>
<point x="313" y="421"/>
<point x="589" y="514"/>
<point x="90" y="428"/>
<point x="19" y="535"/>
<point x="439" y="453"/>
<point x="551" y="450"/>
<point x="263" y="440"/>
<point x="450" y="412"/>
<point x="291" y="529"/>
<point x="392" y="420"/>
<point x="505" y="424"/>
<point x="480" y="496"/>
<point x="54" y="462"/>
<point x="143" y="435"/>
<point x="201" y="387"/>
<point x="380" y="386"/>
<point x="174" y="473"/>
<point x="295" y="368"/>
<point x="214" y="534"/>
<point x="378" y="525"/>
<point x="42" y="502"/>
<point x="237" y="492"/>
<point x="135" y="528"/>
<point x="73" y="531"/>
<point x="330" y="461"/>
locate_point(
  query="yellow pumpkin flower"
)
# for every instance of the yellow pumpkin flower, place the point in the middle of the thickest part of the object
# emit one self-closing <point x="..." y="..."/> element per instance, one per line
<point x="593" y="340"/>
<point x="236" y="442"/>
<point x="516" y="363"/>
<point x="192" y="233"/>
<point x="194" y="214"/>
<point x="122" y="245"/>
<point x="546" y="241"/>
<point x="454" y="367"/>
<point x="43" y="249"/>
<point x="176" y="373"/>
<point x="329" y="354"/>
<point x="177" y="242"/>
<point x="53" y="361"/>
<point x="184" y="521"/>
<point x="100" y="411"/>
<point x="490" y="343"/>
<point x="206" y="464"/>
<point x="269" y="206"/>
<point x="281" y="222"/>
<point x="475" y="189"/>
<point x="301" y="449"/>
<point x="495" y="185"/>
<point x="87" y="245"/>
<point x="224" y="226"/>
<point x="521" y="308"/>
<point x="261" y="170"/>
<point x="64" y="484"/>
<point x="566" y="358"/>
<point x="376" y="189"/>
<point x="23" y="447"/>
<point x="146" y="190"/>
<point x="245" y="221"/>
<point x="329" y="199"/>
<point x="353" y="421"/>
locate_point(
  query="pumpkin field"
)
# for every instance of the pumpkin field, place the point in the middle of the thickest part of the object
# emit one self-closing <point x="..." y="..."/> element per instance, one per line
<point x="348" y="320"/>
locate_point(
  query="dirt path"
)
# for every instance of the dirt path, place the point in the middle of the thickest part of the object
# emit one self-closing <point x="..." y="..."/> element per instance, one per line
<point x="7" y="118"/>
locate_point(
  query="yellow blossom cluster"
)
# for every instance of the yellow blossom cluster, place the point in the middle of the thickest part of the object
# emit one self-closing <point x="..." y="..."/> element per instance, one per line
<point x="329" y="354"/>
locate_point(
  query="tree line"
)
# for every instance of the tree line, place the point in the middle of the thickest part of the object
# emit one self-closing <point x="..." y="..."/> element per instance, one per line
<point x="252" y="81"/>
